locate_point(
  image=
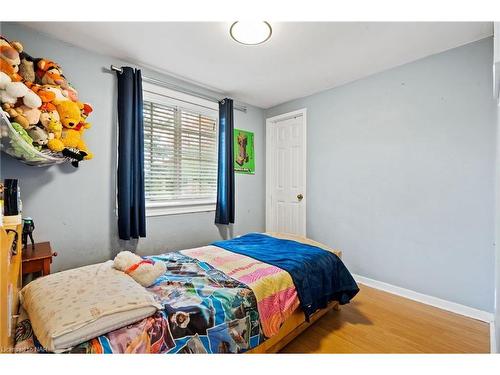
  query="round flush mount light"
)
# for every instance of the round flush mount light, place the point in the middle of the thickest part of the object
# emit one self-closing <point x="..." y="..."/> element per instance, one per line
<point x="251" y="33"/>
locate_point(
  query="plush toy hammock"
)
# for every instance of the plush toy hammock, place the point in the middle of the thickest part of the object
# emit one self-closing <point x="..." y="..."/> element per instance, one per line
<point x="42" y="120"/>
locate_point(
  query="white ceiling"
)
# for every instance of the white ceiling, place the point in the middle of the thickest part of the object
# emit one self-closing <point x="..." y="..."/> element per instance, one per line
<point x="300" y="58"/>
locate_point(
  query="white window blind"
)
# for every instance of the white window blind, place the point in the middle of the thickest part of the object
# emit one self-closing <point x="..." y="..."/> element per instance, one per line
<point x="180" y="155"/>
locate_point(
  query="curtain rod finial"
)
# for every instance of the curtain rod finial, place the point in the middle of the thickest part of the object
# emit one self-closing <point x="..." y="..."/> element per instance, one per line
<point x="116" y="69"/>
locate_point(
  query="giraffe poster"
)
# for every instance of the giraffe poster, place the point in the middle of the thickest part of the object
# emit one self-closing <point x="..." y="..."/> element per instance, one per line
<point x="244" y="157"/>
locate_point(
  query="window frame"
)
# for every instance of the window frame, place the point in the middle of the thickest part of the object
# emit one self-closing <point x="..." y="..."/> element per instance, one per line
<point x="162" y="95"/>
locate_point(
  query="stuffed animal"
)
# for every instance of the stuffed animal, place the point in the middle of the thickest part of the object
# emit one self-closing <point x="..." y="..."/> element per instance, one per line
<point x="144" y="271"/>
<point x="16" y="115"/>
<point x="40" y="136"/>
<point x="31" y="114"/>
<point x="71" y="119"/>
<point x="85" y="111"/>
<point x="35" y="95"/>
<point x="52" y="123"/>
<point x="46" y="96"/>
<point x="49" y="73"/>
<point x="9" y="58"/>
<point x="4" y="79"/>
<point x="69" y="113"/>
<point x="49" y="114"/>
<point x="54" y="143"/>
<point x="32" y="100"/>
<point x="22" y="114"/>
<point x="54" y="128"/>
<point x="22" y="132"/>
<point x="56" y="91"/>
<point x="11" y="92"/>
<point x="71" y="93"/>
<point x="27" y="68"/>
<point x="69" y="116"/>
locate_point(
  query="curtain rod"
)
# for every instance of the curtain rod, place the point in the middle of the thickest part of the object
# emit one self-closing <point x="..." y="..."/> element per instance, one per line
<point x="182" y="89"/>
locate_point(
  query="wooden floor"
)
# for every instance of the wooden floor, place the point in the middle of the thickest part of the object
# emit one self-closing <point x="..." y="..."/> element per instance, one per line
<point x="379" y="322"/>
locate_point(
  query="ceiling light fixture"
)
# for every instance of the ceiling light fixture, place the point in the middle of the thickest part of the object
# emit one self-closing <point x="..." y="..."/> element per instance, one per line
<point x="251" y="33"/>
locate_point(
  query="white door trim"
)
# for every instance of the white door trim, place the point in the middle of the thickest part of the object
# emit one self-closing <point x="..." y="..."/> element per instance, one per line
<point x="285" y="116"/>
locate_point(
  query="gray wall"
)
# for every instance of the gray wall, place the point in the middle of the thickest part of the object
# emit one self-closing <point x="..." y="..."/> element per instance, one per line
<point x="401" y="174"/>
<point x="74" y="209"/>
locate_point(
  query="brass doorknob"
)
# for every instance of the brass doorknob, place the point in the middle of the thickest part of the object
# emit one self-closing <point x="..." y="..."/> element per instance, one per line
<point x="300" y="197"/>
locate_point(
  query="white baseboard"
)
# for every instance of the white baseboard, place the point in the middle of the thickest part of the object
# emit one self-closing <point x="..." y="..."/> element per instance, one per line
<point x="493" y="338"/>
<point x="428" y="300"/>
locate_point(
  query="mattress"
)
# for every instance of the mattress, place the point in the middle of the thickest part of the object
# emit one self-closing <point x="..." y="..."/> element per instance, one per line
<point x="69" y="307"/>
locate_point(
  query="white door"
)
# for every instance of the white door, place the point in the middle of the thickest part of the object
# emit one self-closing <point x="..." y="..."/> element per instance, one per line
<point x="286" y="173"/>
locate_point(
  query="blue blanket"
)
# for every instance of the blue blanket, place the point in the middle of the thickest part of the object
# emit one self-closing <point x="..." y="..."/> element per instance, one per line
<point x="319" y="275"/>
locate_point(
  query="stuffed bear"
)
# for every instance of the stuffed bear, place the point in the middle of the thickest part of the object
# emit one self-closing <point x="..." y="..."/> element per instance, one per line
<point x="69" y="112"/>
<point x="69" y="116"/>
<point x="71" y="119"/>
<point x="144" y="271"/>
<point x="9" y="58"/>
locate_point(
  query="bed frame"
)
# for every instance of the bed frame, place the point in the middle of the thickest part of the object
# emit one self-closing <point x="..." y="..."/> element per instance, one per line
<point x="10" y="284"/>
<point x="292" y="328"/>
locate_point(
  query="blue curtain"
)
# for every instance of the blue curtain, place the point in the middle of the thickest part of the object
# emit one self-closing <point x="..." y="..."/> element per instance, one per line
<point x="224" y="212"/>
<point x="131" y="200"/>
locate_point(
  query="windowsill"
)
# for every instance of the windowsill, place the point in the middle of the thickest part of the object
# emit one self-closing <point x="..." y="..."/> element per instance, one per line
<point x="177" y="208"/>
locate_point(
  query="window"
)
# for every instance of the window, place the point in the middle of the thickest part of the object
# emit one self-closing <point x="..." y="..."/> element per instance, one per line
<point x="180" y="152"/>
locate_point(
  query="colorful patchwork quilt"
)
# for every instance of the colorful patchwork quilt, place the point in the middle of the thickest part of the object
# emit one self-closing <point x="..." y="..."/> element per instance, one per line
<point x="212" y="301"/>
<point x="273" y="287"/>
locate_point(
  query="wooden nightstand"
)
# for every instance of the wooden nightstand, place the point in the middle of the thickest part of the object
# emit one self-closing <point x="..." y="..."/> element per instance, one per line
<point x="38" y="259"/>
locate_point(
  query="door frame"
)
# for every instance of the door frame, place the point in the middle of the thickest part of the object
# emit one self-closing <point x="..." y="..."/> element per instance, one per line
<point x="269" y="123"/>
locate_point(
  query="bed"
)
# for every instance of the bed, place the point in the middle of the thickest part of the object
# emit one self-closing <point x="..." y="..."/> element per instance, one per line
<point x="223" y="298"/>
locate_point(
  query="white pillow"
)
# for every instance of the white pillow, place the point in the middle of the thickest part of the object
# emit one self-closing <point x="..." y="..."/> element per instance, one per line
<point x="70" y="307"/>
